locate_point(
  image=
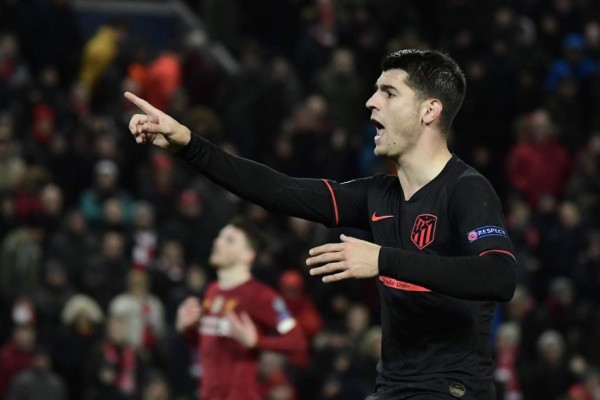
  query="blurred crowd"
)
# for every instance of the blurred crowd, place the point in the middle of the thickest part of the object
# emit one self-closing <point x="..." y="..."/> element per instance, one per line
<point x="101" y="240"/>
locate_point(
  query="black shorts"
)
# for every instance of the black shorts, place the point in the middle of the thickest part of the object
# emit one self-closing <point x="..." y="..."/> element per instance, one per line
<point x="382" y="393"/>
<point x="424" y="396"/>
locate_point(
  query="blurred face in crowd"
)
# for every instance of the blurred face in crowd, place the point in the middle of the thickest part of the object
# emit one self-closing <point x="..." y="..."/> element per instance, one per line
<point x="343" y="62"/>
<point x="357" y="319"/>
<point x="172" y="252"/>
<point x="395" y="113"/>
<point x="56" y="276"/>
<point x="541" y="126"/>
<point x="157" y="389"/>
<point x="113" y="211"/>
<point x="195" y="278"/>
<point x="107" y="181"/>
<point x="569" y="215"/>
<point x="76" y="222"/>
<point x="24" y="337"/>
<point x="52" y="199"/>
<point x="508" y="337"/>
<point x="138" y="283"/>
<point x="115" y="330"/>
<point x="8" y="46"/>
<point x="113" y="245"/>
<point x="144" y="216"/>
<point x="190" y="204"/>
<point x="552" y="353"/>
<point x="5" y="147"/>
<point x="106" y="147"/>
<point x="231" y="248"/>
<point x="41" y="361"/>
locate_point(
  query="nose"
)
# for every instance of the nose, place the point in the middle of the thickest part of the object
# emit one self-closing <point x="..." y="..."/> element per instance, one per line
<point x="370" y="104"/>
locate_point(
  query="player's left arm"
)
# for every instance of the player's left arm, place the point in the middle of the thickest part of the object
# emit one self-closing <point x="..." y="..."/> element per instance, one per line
<point x="486" y="271"/>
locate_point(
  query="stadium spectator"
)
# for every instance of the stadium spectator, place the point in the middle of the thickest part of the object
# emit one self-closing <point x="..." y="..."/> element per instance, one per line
<point x="538" y="164"/>
<point x="142" y="312"/>
<point x="115" y="369"/>
<point x="37" y="382"/>
<point x="17" y="354"/>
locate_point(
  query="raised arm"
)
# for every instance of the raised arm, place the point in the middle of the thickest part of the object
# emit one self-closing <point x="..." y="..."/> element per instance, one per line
<point x="311" y="199"/>
<point x="301" y="197"/>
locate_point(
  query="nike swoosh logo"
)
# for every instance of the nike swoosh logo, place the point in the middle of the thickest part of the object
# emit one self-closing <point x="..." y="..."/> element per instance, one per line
<point x="376" y="217"/>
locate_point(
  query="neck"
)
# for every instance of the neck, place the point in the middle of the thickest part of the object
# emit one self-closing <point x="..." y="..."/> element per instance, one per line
<point x="422" y="162"/>
<point x="233" y="276"/>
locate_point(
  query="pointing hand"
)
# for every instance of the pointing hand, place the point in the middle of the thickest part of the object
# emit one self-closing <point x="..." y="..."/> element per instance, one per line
<point x="156" y="127"/>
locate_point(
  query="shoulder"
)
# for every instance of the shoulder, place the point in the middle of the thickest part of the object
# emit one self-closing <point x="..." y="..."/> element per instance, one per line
<point x="372" y="180"/>
<point x="375" y="182"/>
<point x="384" y="180"/>
<point x="467" y="183"/>
<point x="260" y="290"/>
<point x="262" y="300"/>
<point x="463" y="176"/>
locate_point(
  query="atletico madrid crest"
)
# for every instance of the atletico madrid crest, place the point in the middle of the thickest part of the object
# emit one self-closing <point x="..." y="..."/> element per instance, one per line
<point x="423" y="231"/>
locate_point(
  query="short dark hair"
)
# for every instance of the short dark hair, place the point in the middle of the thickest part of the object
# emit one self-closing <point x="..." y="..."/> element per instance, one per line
<point x="254" y="236"/>
<point x="431" y="74"/>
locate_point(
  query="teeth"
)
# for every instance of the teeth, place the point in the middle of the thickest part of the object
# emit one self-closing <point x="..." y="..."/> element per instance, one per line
<point x="379" y="129"/>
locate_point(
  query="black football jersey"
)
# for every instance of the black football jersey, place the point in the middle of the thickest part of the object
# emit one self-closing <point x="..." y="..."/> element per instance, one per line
<point x="432" y="342"/>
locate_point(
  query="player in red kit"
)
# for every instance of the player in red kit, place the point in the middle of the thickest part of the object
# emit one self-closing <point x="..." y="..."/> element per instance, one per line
<point x="238" y="317"/>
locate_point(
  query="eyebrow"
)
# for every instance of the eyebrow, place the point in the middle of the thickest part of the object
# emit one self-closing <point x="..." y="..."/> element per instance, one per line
<point x="384" y="87"/>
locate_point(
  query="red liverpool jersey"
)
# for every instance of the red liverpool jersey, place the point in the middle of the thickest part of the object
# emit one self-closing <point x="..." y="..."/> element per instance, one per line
<point x="229" y="370"/>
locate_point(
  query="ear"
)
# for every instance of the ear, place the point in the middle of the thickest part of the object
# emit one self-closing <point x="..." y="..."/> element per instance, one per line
<point x="432" y="111"/>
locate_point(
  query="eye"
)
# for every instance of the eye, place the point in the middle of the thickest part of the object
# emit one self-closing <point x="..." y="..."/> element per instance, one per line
<point x="388" y="94"/>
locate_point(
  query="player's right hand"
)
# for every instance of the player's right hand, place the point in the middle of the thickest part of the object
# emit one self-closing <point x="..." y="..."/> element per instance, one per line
<point x="156" y="127"/>
<point x="188" y="313"/>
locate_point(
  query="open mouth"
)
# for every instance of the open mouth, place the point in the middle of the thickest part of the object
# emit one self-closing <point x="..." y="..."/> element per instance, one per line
<point x="380" y="129"/>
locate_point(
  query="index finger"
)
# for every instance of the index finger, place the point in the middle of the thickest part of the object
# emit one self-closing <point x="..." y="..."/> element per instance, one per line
<point x="141" y="103"/>
<point x="329" y="247"/>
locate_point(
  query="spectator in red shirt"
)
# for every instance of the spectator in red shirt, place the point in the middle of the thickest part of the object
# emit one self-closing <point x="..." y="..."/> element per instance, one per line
<point x="162" y="78"/>
<point x="291" y="286"/>
<point x="16" y="355"/>
<point x="238" y="318"/>
<point x="538" y="164"/>
<point x="302" y="307"/>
